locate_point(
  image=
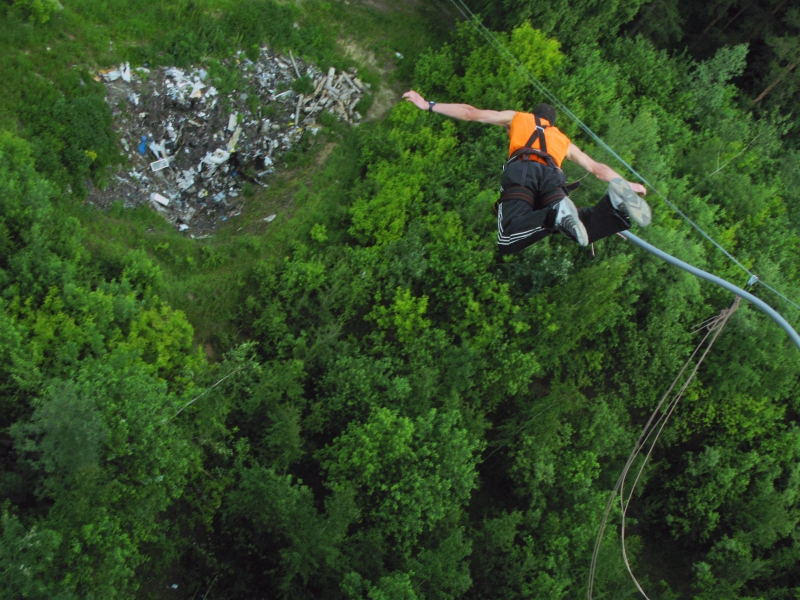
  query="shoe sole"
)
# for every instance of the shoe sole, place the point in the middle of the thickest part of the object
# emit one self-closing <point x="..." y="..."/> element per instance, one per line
<point x="579" y="232"/>
<point x="635" y="205"/>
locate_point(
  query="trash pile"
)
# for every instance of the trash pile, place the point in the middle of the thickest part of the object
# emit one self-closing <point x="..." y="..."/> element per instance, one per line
<point x="191" y="149"/>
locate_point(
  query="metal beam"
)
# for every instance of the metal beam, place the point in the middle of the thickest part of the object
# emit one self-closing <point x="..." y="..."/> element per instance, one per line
<point x="718" y="281"/>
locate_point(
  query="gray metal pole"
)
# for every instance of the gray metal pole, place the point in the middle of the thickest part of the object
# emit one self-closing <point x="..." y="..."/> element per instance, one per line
<point x="720" y="282"/>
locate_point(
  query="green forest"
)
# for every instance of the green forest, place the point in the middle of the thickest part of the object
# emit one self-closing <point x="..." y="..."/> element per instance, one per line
<point x="363" y="399"/>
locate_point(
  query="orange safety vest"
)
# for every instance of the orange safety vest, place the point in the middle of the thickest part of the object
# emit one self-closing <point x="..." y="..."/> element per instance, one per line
<point x="522" y="134"/>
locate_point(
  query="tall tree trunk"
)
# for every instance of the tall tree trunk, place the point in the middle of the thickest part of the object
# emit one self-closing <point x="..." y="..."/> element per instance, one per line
<point x="778" y="7"/>
<point x="736" y="16"/>
<point x="720" y="14"/>
<point x="786" y="71"/>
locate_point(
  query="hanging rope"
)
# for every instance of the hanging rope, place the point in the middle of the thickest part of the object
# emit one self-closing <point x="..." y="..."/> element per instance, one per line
<point x="505" y="54"/>
<point x="654" y="426"/>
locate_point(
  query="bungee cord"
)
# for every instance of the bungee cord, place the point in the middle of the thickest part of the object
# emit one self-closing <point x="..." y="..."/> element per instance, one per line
<point x="506" y="54"/>
<point x="713" y="325"/>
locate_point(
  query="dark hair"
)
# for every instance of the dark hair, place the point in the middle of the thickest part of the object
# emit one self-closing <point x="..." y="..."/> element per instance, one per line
<point x="546" y="111"/>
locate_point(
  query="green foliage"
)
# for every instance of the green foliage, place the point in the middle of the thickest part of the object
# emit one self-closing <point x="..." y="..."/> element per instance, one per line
<point x="280" y="515"/>
<point x="108" y="463"/>
<point x="96" y="460"/>
<point x="303" y="85"/>
<point x="37" y="11"/>
<point x="26" y="557"/>
<point x="573" y="22"/>
<point x="409" y="474"/>
<point x="480" y="77"/>
<point x="69" y="129"/>
<point x="410" y="416"/>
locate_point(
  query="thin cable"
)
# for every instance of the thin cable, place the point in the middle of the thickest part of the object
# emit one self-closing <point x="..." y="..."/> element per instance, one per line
<point x="717" y="327"/>
<point x="643" y="437"/>
<point x="188" y="404"/>
<point x="714" y="325"/>
<point x="514" y="62"/>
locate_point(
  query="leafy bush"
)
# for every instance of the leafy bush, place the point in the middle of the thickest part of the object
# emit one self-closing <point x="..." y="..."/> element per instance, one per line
<point x="37" y="11"/>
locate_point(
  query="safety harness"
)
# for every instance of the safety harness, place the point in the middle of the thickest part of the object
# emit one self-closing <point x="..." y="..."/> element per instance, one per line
<point x="522" y="192"/>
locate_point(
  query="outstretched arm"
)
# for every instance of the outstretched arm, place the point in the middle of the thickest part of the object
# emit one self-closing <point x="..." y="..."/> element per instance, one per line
<point x="601" y="171"/>
<point x="463" y="112"/>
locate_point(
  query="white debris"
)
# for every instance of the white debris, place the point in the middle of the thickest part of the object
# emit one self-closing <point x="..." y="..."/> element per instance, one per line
<point x="156" y="197"/>
<point x="270" y="218"/>
<point x="186" y="180"/>
<point x="216" y="158"/>
<point x="234" y="138"/>
<point x="157" y="150"/>
<point x="197" y="89"/>
<point x="181" y="119"/>
<point x="159" y="164"/>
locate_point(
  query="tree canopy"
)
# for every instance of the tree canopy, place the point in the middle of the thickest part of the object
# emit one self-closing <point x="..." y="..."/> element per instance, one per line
<point x="398" y="412"/>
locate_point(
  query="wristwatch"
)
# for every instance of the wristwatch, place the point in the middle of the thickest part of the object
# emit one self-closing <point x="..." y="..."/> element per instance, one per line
<point x="430" y="105"/>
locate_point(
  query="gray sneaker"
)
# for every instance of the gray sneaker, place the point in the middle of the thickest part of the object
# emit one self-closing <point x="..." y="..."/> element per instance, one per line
<point x="625" y="199"/>
<point x="568" y="223"/>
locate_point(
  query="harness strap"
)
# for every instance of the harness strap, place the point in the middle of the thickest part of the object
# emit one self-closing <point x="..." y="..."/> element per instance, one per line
<point x="522" y="192"/>
<point x="516" y="193"/>
<point x="534" y="201"/>
<point x="528" y="149"/>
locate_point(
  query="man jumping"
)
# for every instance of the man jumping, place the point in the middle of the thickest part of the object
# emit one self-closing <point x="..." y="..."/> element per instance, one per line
<point x="534" y="200"/>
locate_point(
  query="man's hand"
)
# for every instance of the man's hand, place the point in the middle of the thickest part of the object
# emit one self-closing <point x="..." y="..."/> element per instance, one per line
<point x="418" y="100"/>
<point x="601" y="171"/>
<point x="638" y="188"/>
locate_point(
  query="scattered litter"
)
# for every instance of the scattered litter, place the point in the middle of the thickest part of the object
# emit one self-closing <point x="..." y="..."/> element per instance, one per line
<point x="234" y="138"/>
<point x="270" y="218"/>
<point x="156" y="197"/>
<point x="159" y="164"/>
<point x="157" y="150"/>
<point x="186" y="180"/>
<point x="197" y="147"/>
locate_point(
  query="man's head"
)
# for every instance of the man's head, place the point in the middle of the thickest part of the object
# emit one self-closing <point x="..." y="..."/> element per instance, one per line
<point x="546" y="111"/>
